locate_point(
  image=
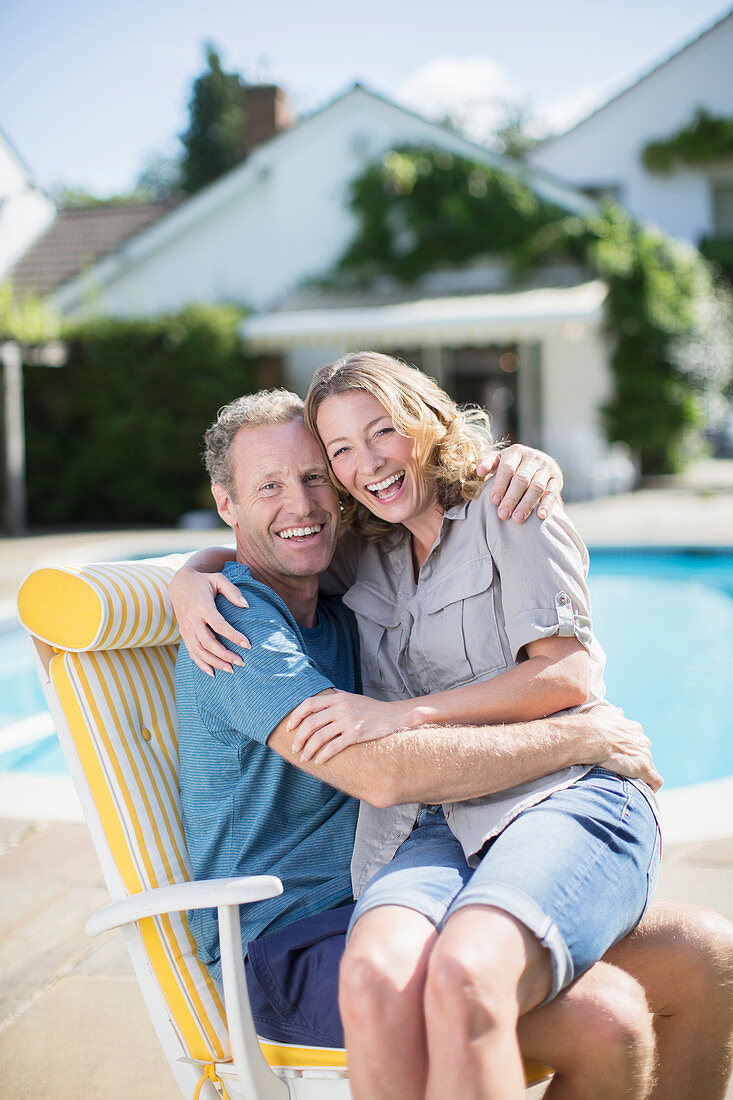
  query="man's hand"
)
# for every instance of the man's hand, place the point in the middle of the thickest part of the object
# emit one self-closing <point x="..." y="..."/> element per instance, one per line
<point x="523" y="479"/>
<point x="623" y="747"/>
<point x="192" y="595"/>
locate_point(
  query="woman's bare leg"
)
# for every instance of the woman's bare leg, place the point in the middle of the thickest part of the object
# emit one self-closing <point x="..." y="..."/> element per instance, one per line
<point x="485" y="970"/>
<point x="381" y="987"/>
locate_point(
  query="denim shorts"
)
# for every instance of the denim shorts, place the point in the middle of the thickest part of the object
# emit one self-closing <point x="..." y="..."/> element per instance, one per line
<point x="578" y="870"/>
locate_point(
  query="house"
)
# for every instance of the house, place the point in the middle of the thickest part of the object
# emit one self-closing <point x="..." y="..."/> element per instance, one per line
<point x="76" y="239"/>
<point x="260" y="235"/>
<point x="24" y="210"/>
<point x="602" y="154"/>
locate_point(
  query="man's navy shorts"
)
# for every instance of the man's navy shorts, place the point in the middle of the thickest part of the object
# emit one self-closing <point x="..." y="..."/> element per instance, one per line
<point x="292" y="979"/>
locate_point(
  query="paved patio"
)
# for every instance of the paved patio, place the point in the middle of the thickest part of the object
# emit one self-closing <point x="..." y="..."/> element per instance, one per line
<point x="72" y="1022"/>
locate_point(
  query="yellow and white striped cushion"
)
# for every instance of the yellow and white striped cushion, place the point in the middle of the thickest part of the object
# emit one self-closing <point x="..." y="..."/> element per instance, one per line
<point x="121" y="710"/>
<point x="115" y="605"/>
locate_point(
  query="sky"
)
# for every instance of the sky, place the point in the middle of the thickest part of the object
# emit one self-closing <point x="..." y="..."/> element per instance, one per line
<point x="90" y="90"/>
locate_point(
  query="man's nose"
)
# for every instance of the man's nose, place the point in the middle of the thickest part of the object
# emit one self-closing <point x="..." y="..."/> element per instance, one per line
<point x="299" y="501"/>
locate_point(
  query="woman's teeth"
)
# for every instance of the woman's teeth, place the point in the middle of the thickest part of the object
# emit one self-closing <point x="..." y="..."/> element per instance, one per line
<point x="380" y="486"/>
<point x="299" y="532"/>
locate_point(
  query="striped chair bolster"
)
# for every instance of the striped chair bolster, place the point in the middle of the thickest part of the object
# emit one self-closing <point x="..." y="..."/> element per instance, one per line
<point x="114" y="605"/>
<point x="121" y="712"/>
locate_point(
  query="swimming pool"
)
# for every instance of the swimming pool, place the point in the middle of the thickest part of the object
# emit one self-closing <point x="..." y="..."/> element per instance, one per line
<point x="664" y="618"/>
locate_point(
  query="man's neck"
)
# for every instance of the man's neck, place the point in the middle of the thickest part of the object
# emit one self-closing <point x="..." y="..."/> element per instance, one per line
<point x="299" y="594"/>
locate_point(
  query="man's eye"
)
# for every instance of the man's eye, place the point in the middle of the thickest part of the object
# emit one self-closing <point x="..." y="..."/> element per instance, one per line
<point x="268" y="487"/>
<point x="316" y="479"/>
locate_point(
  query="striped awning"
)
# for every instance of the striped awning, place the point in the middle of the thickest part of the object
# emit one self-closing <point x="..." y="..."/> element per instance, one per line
<point x="476" y="319"/>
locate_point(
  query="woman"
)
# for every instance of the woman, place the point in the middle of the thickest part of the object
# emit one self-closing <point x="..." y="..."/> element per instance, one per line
<point x="498" y="618"/>
<point x="402" y="450"/>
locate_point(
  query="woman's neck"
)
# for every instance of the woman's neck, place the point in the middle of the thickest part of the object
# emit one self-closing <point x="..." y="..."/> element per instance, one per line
<point x="424" y="530"/>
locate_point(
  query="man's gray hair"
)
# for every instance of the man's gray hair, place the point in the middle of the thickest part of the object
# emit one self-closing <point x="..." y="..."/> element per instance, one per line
<point x="264" y="407"/>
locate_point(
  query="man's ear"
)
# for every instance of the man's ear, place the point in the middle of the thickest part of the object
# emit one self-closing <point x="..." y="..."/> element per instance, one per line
<point x="224" y="505"/>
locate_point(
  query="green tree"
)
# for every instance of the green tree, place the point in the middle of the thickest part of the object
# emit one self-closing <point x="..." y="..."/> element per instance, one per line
<point x="215" y="139"/>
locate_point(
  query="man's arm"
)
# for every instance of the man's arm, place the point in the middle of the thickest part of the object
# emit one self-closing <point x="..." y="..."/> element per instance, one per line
<point x="451" y="764"/>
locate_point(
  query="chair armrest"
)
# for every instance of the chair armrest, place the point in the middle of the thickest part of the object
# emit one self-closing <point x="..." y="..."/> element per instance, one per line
<point x="204" y="894"/>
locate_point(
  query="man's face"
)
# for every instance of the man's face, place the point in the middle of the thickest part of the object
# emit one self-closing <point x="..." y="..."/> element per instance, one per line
<point x="284" y="510"/>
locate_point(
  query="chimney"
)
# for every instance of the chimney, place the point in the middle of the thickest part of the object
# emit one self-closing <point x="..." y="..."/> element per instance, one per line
<point x="267" y="110"/>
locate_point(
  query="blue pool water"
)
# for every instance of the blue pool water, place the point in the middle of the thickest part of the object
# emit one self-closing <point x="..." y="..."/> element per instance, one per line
<point x="664" y="618"/>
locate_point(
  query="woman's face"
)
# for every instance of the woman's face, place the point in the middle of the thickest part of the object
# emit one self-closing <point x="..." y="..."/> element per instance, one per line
<point x="372" y="460"/>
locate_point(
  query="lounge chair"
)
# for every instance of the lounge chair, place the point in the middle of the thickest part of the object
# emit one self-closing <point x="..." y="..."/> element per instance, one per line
<point x="105" y="640"/>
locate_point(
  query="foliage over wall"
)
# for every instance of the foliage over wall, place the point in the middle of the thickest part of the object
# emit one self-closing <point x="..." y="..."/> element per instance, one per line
<point x="703" y="140"/>
<point x="419" y="209"/>
<point x="115" y="435"/>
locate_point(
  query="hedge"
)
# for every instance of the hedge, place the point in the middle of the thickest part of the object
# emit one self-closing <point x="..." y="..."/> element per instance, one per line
<point x="114" y="436"/>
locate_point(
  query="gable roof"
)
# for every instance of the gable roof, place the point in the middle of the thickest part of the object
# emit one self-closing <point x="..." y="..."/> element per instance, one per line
<point x="640" y="80"/>
<point x="78" y="238"/>
<point x="240" y="178"/>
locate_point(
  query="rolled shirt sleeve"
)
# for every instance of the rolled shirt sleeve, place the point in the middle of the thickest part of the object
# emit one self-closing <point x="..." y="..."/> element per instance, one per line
<point x="543" y="573"/>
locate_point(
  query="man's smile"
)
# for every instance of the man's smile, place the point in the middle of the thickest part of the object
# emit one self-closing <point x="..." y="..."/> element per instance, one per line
<point x="300" y="532"/>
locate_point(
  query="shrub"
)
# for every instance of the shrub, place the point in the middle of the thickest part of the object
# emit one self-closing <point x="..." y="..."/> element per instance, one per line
<point x="114" y="436"/>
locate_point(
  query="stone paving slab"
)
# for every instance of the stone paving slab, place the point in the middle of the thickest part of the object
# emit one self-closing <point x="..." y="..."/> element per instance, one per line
<point x="88" y="1038"/>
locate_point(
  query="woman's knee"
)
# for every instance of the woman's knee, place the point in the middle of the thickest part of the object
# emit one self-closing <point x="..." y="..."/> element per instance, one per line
<point x="472" y="982"/>
<point x="382" y="975"/>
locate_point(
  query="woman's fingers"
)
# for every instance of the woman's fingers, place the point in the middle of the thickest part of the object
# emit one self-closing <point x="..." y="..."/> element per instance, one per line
<point x="310" y="726"/>
<point x="223" y="585"/>
<point x="549" y="498"/>
<point x="321" y="740"/>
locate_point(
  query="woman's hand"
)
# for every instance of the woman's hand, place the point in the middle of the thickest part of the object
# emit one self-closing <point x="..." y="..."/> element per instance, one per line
<point x="192" y="595"/>
<point x="329" y="722"/>
<point x="523" y="479"/>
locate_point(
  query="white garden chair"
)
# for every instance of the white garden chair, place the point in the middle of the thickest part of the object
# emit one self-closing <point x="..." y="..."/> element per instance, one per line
<point x="105" y="640"/>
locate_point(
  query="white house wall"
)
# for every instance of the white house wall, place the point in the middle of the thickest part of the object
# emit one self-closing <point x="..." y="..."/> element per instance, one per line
<point x="256" y="234"/>
<point x="575" y="383"/>
<point x="605" y="149"/>
<point x="24" y="211"/>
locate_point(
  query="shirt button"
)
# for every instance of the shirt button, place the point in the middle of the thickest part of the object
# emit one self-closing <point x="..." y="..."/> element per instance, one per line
<point x="426" y="691"/>
<point x="562" y="598"/>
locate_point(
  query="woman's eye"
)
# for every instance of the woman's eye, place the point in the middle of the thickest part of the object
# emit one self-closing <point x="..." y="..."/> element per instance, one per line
<point x="338" y="453"/>
<point x="385" y="431"/>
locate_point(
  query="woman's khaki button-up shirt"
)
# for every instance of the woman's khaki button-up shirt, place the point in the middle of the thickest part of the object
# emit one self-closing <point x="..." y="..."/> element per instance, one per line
<point x="487" y="589"/>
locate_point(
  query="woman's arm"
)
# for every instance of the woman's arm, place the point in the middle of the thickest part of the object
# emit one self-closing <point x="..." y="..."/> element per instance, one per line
<point x="193" y="590"/>
<point x="554" y="677"/>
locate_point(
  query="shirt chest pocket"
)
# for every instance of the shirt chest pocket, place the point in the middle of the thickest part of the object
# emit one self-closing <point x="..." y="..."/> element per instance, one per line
<point x="380" y="636"/>
<point x="456" y="636"/>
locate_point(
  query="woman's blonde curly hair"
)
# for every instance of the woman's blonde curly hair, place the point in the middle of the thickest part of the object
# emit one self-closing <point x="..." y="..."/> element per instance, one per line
<point x="448" y="440"/>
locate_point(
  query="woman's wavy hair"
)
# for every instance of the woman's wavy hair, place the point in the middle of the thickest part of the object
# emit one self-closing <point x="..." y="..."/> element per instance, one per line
<point x="448" y="439"/>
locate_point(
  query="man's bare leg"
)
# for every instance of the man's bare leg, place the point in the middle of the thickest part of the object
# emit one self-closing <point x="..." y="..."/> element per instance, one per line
<point x="683" y="957"/>
<point x="381" y="985"/>
<point x="485" y="971"/>
<point x="596" y="1035"/>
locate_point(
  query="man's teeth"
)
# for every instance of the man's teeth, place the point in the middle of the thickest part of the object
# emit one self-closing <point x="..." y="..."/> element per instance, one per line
<point x="379" y="485"/>
<point x="299" y="532"/>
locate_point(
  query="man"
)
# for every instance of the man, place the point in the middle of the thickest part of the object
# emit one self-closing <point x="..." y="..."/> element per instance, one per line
<point x="251" y="806"/>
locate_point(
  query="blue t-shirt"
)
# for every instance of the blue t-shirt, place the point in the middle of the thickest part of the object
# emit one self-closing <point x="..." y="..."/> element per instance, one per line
<point x="246" y="811"/>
